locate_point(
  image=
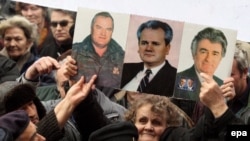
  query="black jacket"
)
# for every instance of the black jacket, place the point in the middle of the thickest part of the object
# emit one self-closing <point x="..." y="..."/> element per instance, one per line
<point x="8" y="69"/>
<point x="207" y="129"/>
<point x="162" y="83"/>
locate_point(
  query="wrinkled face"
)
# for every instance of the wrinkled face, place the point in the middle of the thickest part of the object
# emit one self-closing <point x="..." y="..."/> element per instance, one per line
<point x="208" y="56"/>
<point x="31" y="110"/>
<point x="101" y="31"/>
<point x="239" y="80"/>
<point x="60" y="26"/>
<point x="16" y="42"/>
<point x="152" y="47"/>
<point x="33" y="13"/>
<point x="149" y="124"/>
<point x="30" y="134"/>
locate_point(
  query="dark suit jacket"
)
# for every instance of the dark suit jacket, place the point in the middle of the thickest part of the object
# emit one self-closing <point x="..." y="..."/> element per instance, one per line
<point x="190" y="94"/>
<point x="162" y="83"/>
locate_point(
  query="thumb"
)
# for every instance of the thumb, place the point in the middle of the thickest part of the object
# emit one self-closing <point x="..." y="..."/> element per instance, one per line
<point x="205" y="77"/>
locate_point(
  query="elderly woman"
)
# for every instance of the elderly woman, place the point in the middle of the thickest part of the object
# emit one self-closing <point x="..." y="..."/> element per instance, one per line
<point x="157" y="119"/>
<point x="152" y="114"/>
<point x="19" y="37"/>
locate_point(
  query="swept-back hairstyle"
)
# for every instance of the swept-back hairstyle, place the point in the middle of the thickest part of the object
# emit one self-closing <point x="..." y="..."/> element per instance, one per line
<point x="241" y="57"/>
<point x="103" y="14"/>
<point x="213" y="35"/>
<point x="29" y="29"/>
<point x="155" y="24"/>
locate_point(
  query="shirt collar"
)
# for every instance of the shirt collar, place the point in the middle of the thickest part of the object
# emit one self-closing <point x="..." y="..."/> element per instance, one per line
<point x="154" y="69"/>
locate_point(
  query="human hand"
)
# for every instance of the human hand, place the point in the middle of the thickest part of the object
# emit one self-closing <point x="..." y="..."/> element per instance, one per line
<point x="79" y="91"/>
<point x="227" y="88"/>
<point x="71" y="67"/>
<point x="43" y="65"/>
<point x="211" y="95"/>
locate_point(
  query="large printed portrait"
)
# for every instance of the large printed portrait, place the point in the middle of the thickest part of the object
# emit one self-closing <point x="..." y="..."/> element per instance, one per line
<point x="99" y="45"/>
<point x="134" y="62"/>
<point x="203" y="49"/>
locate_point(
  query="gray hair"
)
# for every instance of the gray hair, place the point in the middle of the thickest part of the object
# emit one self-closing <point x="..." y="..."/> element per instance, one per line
<point x="102" y="14"/>
<point x="29" y="29"/>
<point x="213" y="35"/>
<point x="241" y="57"/>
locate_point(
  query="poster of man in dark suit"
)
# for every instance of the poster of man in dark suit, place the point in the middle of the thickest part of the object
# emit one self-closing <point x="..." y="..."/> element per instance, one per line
<point x="157" y="43"/>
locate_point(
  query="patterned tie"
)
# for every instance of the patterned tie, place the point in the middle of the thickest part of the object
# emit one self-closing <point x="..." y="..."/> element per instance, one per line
<point x="144" y="82"/>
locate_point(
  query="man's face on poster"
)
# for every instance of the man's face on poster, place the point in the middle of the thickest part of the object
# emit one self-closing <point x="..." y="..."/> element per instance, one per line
<point x="208" y="56"/>
<point x="102" y="30"/>
<point x="152" y="47"/>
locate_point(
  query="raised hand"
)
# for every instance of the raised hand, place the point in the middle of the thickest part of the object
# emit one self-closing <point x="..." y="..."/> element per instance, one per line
<point x="211" y="95"/>
<point x="43" y="65"/>
<point x="227" y="88"/>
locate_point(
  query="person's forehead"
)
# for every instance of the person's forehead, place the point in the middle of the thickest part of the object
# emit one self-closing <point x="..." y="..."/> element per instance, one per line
<point x="15" y="30"/>
<point x="59" y="15"/>
<point x="102" y="20"/>
<point x="206" y="43"/>
<point x="30" y="5"/>
<point x="153" y="34"/>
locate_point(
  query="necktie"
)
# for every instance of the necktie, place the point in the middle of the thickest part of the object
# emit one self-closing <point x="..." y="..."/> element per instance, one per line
<point x="144" y="82"/>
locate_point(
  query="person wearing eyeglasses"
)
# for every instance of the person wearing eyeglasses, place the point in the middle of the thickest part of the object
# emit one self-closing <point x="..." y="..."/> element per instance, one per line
<point x="61" y="25"/>
<point x="99" y="53"/>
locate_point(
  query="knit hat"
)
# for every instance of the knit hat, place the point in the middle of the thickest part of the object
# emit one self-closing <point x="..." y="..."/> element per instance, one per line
<point x="4" y="88"/>
<point x="15" y="122"/>
<point x="21" y="95"/>
<point x="122" y="131"/>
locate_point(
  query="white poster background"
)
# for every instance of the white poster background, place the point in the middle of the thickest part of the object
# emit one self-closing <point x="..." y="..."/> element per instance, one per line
<point x="233" y="14"/>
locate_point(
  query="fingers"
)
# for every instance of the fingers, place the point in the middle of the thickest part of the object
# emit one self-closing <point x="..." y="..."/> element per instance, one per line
<point x="229" y="79"/>
<point x="43" y="65"/>
<point x="210" y="92"/>
<point x="227" y="88"/>
<point x="80" y="81"/>
<point x="92" y="80"/>
<point x="71" y="66"/>
<point x="206" y="78"/>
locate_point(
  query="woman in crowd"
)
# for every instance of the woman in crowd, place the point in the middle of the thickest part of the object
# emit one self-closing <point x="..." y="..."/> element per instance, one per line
<point x="19" y="36"/>
<point x="157" y="119"/>
<point x="38" y="15"/>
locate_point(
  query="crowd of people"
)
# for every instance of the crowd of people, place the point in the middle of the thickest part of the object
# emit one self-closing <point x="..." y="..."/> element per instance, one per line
<point x="41" y="99"/>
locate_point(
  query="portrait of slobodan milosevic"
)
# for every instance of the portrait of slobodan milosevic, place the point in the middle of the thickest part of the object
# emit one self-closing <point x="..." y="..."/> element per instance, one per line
<point x="210" y="51"/>
<point x="152" y="54"/>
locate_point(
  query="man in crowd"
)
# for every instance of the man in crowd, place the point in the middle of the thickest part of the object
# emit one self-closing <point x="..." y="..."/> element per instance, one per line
<point x="62" y="26"/>
<point x="240" y="104"/>
<point x="16" y="125"/>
